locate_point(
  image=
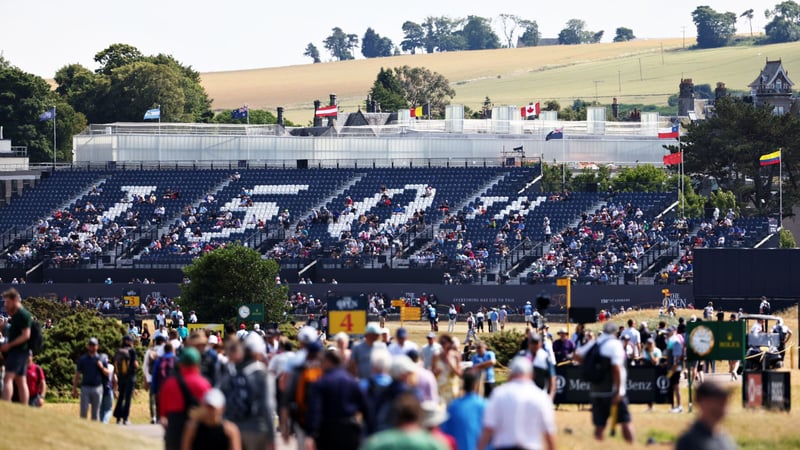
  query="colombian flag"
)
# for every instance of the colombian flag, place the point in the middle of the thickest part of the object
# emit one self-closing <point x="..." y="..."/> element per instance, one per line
<point x="770" y="158"/>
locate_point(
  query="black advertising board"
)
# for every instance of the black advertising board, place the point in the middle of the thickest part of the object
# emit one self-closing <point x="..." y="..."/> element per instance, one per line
<point x="644" y="385"/>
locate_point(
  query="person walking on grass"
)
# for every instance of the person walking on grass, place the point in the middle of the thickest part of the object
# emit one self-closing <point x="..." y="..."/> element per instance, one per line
<point x="15" y="349"/>
<point x="37" y="383"/>
<point x="178" y="395"/>
<point x="206" y="428"/>
<point x="89" y="375"/>
<point x="126" y="364"/>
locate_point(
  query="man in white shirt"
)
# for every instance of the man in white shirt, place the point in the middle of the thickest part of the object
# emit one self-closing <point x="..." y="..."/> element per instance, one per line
<point x="610" y="391"/>
<point x="634" y="337"/>
<point x="430" y="350"/>
<point x="402" y="345"/>
<point x="518" y="414"/>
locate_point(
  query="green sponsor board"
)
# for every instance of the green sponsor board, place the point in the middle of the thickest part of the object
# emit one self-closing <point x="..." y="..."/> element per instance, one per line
<point x="715" y="341"/>
<point x="253" y="312"/>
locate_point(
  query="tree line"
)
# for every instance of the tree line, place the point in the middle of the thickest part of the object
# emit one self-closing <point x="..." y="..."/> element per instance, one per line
<point x="447" y="34"/>
<point x="718" y="29"/>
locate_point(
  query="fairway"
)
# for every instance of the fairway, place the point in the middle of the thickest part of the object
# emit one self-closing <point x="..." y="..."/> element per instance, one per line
<point x="635" y="72"/>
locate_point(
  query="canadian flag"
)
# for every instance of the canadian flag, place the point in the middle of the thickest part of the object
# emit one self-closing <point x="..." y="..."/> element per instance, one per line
<point x="531" y="110"/>
<point x="328" y="111"/>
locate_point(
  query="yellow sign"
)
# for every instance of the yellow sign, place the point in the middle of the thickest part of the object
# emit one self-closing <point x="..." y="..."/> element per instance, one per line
<point x="562" y="282"/>
<point x="398" y="303"/>
<point x="131" y="301"/>
<point x="349" y="321"/>
<point x="410" y="313"/>
<point x="207" y="326"/>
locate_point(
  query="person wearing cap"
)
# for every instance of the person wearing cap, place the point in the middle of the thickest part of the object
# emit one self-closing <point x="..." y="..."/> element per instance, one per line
<point x="711" y="400"/>
<point x="407" y="433"/>
<point x="89" y="373"/>
<point x="483" y="362"/>
<point x="433" y="416"/>
<point x="335" y="402"/>
<point x="210" y="365"/>
<point x="465" y="414"/>
<point x="242" y="333"/>
<point x="245" y="387"/>
<point x="563" y="347"/>
<point x="126" y="364"/>
<point x="430" y="350"/>
<point x="675" y="349"/>
<point x="544" y="368"/>
<point x="359" y="364"/>
<point x="15" y="349"/>
<point x="207" y="429"/>
<point x="528" y="312"/>
<point x="634" y="337"/>
<point x="784" y="336"/>
<point x="518" y="414"/>
<point x="402" y="344"/>
<point x="148" y="366"/>
<point x="611" y="389"/>
<point x="503" y="317"/>
<point x="174" y="406"/>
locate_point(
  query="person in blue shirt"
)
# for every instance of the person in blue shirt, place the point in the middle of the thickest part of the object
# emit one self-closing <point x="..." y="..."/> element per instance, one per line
<point x="528" y="310"/>
<point x="465" y="415"/>
<point x="493" y="317"/>
<point x="483" y="362"/>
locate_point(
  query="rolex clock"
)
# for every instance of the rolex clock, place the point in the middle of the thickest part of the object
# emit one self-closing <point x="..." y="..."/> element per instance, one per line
<point x="244" y="312"/>
<point x="701" y="339"/>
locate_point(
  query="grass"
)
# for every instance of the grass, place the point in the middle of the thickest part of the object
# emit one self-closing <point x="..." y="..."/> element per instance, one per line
<point x="751" y="429"/>
<point x="509" y="76"/>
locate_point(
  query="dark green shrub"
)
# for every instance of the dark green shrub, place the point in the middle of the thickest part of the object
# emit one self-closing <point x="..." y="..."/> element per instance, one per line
<point x="505" y="344"/>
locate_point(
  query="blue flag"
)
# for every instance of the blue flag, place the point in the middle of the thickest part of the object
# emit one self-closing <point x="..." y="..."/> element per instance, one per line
<point x="558" y="133"/>
<point x="153" y="114"/>
<point x="240" y="113"/>
<point x="47" y="115"/>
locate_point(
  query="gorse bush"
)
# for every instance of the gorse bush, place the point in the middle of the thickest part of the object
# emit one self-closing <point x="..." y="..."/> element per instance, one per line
<point x="505" y="344"/>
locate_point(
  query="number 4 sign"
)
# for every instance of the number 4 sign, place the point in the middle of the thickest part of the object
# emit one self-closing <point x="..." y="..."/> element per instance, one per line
<point x="350" y="322"/>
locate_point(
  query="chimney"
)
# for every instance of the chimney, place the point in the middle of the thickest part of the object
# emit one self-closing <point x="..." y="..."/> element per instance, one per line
<point x="685" y="97"/>
<point x="721" y="90"/>
<point x="280" y="115"/>
<point x="615" y="108"/>
<point x="317" y="120"/>
<point x="332" y="119"/>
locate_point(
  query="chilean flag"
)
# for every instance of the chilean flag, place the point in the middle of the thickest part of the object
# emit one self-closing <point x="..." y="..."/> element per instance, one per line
<point x="531" y="110"/>
<point x="327" y="111"/>
<point x="670" y="133"/>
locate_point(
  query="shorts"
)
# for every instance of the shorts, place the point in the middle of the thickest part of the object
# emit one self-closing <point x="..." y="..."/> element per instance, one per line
<point x="17" y="362"/>
<point x="675" y="379"/>
<point x="601" y="411"/>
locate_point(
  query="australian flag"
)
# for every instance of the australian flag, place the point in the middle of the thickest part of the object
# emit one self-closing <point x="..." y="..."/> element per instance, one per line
<point x="240" y="113"/>
<point x="558" y="133"/>
<point x="47" y="115"/>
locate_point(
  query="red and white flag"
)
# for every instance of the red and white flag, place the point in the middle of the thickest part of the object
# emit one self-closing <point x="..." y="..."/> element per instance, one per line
<point x="531" y="110"/>
<point x="328" y="111"/>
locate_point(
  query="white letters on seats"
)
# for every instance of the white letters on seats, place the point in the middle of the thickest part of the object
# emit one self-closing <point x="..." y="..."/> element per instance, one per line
<point x="119" y="208"/>
<point x="364" y="206"/>
<point x="516" y="205"/>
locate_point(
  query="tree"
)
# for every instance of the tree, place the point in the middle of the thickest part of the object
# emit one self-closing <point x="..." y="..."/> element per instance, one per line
<point x="388" y="92"/>
<point x="749" y="15"/>
<point x="786" y="239"/>
<point x="478" y="34"/>
<point x="226" y="278"/>
<point x="596" y="37"/>
<point x="137" y="87"/>
<point x="340" y="44"/>
<point x="413" y="37"/>
<point x="530" y="36"/>
<point x="312" y="52"/>
<point x="643" y="178"/>
<point x="714" y="29"/>
<point x="257" y="117"/>
<point x="422" y="86"/>
<point x="551" y="105"/>
<point x="785" y="23"/>
<point x="375" y="46"/>
<point x="624" y="35"/>
<point x="509" y="23"/>
<point x="116" y="55"/>
<point x="728" y="144"/>
<point x="441" y="34"/>
<point x="576" y="33"/>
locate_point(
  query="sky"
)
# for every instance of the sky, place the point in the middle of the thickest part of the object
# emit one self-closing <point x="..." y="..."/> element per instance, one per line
<point x="42" y="36"/>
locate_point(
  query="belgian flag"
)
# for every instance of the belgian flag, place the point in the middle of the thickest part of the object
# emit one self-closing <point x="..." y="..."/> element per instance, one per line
<point x="421" y="111"/>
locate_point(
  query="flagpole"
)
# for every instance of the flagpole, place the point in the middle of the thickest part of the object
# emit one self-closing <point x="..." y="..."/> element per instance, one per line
<point x="55" y="151"/>
<point x="780" y="189"/>
<point x="563" y="163"/>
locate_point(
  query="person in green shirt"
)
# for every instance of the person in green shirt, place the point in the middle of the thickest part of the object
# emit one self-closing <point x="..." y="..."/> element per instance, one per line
<point x="408" y="433"/>
<point x="15" y="348"/>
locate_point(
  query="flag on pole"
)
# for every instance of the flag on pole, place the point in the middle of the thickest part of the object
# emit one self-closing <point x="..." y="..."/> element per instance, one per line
<point x="670" y="133"/>
<point x="328" y="111"/>
<point x="770" y="158"/>
<point x="240" y="113"/>
<point x="153" y="114"/>
<point x="530" y="110"/>
<point x="558" y="133"/>
<point x="47" y="115"/>
<point x="421" y="111"/>
<point x="673" y="159"/>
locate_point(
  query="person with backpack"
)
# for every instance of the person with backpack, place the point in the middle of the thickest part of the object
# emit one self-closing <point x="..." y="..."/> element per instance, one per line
<point x="179" y="394"/>
<point x="126" y="363"/>
<point x="334" y="404"/>
<point x="15" y="349"/>
<point x="294" y="413"/>
<point x="247" y="395"/>
<point x="603" y="365"/>
<point x="163" y="368"/>
<point x="148" y="368"/>
<point x="544" y="369"/>
<point x="209" y="359"/>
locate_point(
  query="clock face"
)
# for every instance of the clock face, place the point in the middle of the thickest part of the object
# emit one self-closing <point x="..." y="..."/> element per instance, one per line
<point x="702" y="340"/>
<point x="244" y="312"/>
